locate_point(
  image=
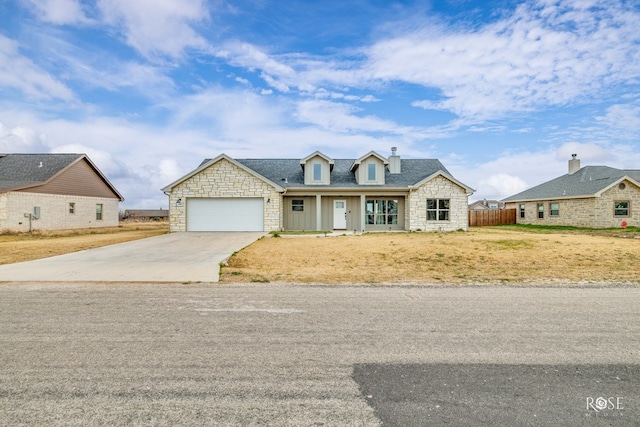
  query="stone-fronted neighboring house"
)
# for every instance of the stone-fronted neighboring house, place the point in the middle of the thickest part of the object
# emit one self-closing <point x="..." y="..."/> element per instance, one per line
<point x="484" y="205"/>
<point x="590" y="196"/>
<point x="317" y="192"/>
<point x="55" y="191"/>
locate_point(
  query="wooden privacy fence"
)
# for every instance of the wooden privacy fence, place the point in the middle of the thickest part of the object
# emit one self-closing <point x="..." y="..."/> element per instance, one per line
<point x="492" y="217"/>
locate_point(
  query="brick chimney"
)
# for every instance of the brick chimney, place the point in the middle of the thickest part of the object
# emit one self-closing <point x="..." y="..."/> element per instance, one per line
<point x="574" y="164"/>
<point x="394" y="161"/>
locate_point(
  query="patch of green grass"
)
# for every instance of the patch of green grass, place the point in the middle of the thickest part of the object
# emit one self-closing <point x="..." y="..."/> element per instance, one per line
<point x="537" y="227"/>
<point x="297" y="232"/>
<point x="510" y="244"/>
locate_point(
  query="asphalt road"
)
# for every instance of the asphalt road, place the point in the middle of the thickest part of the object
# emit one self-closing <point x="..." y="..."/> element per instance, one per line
<point x="268" y="354"/>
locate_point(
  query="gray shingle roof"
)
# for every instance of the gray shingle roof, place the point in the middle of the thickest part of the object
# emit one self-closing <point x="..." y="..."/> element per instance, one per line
<point x="288" y="173"/>
<point x="586" y="182"/>
<point x="25" y="170"/>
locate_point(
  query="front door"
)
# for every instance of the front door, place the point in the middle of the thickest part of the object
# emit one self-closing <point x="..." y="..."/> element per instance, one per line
<point x="339" y="215"/>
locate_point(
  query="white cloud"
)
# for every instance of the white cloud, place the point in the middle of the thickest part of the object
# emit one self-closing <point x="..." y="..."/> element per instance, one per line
<point x="157" y="26"/>
<point x="501" y="184"/>
<point x="61" y="12"/>
<point x="587" y="152"/>
<point x="343" y="118"/>
<point x="541" y="55"/>
<point x="20" y="73"/>
<point x="623" y="119"/>
<point x="20" y="139"/>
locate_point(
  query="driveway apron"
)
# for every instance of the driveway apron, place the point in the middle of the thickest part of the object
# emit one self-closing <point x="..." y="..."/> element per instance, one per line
<point x="174" y="257"/>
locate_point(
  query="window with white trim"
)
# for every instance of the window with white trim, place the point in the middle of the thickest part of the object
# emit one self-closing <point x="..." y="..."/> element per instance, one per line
<point x="99" y="212"/>
<point x="540" y="210"/>
<point x="522" y="210"/>
<point x="554" y="209"/>
<point x="621" y="207"/>
<point x="72" y="208"/>
<point x="438" y="209"/>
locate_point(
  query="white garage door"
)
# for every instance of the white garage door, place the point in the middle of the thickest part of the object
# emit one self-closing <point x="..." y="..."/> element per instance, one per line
<point x="241" y="214"/>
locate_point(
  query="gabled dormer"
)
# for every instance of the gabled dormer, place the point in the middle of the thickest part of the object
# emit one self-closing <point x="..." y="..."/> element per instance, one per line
<point x="369" y="169"/>
<point x="317" y="169"/>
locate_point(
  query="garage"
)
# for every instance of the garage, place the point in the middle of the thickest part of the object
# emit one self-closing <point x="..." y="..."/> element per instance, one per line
<point x="216" y="214"/>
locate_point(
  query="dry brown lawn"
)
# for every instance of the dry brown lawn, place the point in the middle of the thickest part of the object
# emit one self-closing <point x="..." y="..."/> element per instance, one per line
<point x="481" y="255"/>
<point x="41" y="244"/>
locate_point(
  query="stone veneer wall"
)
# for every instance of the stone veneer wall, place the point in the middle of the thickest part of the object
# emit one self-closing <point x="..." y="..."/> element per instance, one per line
<point x="54" y="211"/>
<point x="573" y="212"/>
<point x="438" y="188"/>
<point x="224" y="179"/>
<point x="594" y="212"/>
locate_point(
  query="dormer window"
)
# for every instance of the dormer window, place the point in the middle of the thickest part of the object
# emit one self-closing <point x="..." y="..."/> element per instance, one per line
<point x="317" y="171"/>
<point x="369" y="169"/>
<point x="371" y="172"/>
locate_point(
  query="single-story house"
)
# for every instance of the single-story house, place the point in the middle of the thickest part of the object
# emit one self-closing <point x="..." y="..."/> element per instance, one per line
<point x="484" y="205"/>
<point x="146" y="214"/>
<point x="318" y="192"/>
<point x="55" y="191"/>
<point x="590" y="196"/>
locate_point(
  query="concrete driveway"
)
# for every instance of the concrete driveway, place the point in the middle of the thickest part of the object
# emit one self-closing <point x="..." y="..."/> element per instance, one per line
<point x="175" y="257"/>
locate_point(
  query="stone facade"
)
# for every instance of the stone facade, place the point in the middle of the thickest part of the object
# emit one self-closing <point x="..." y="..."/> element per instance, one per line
<point x="438" y="188"/>
<point x="54" y="211"/>
<point x="591" y="212"/>
<point x="224" y="179"/>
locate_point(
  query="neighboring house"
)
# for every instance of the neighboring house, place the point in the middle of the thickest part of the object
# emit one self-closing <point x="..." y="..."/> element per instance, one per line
<point x="483" y="205"/>
<point x="55" y="191"/>
<point x="318" y="193"/>
<point x="146" y="214"/>
<point x="592" y="196"/>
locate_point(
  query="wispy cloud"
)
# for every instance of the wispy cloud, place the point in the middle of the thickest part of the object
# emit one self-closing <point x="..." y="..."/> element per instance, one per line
<point x="152" y="27"/>
<point x="543" y="54"/>
<point x="60" y="12"/>
<point x="21" y="73"/>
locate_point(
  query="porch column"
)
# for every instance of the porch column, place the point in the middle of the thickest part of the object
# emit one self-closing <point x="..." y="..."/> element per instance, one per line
<point x="363" y="212"/>
<point x="318" y="212"/>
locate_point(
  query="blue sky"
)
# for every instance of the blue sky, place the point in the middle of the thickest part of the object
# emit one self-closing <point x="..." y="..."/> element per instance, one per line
<point x="501" y="92"/>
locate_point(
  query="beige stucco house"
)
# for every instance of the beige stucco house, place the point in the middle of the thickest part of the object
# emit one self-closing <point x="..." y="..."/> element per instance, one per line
<point x="55" y="191"/>
<point x="317" y="192"/>
<point x="591" y="196"/>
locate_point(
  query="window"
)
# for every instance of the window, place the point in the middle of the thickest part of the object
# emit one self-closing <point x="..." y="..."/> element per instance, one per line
<point x="438" y="209"/>
<point x="554" y="209"/>
<point x="99" y="212"/>
<point x="382" y="212"/>
<point x="540" y="210"/>
<point x="522" y="210"/>
<point x="297" y="205"/>
<point x="317" y="172"/>
<point x="371" y="172"/>
<point x="621" y="208"/>
<point x="72" y="208"/>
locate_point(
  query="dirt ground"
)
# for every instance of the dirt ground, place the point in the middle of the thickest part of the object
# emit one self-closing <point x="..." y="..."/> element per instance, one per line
<point x="41" y="244"/>
<point x="481" y="255"/>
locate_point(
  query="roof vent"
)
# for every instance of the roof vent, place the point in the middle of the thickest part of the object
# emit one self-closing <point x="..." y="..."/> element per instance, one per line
<point x="40" y="165"/>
